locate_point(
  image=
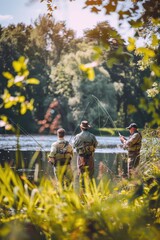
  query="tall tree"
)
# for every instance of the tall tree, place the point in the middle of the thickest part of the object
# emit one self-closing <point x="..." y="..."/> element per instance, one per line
<point x="140" y="15"/>
<point x="43" y="44"/>
<point x="75" y="92"/>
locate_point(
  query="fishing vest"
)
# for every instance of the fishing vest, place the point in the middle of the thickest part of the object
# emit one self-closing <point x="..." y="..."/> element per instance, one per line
<point x="86" y="149"/>
<point x="64" y="153"/>
<point x="136" y="146"/>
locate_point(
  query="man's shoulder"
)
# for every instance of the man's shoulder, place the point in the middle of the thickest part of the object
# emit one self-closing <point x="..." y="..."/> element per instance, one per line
<point x="78" y="135"/>
<point x="137" y="133"/>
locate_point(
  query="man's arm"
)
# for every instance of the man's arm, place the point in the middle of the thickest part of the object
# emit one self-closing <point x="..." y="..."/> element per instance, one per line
<point x="123" y="139"/>
<point x="51" y="155"/>
<point x="133" y="140"/>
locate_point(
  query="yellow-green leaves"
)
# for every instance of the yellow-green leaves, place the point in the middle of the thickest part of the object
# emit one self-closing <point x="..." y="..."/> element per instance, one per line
<point x="32" y="81"/>
<point x="156" y="69"/>
<point x="4" y="123"/>
<point x="88" y="70"/>
<point x="17" y="98"/>
<point x="10" y="101"/>
<point x="111" y="61"/>
<point x="155" y="41"/>
<point x="20" y="65"/>
<point x="132" y="44"/>
<point x="17" y="66"/>
<point x="146" y="52"/>
<point x="21" y="79"/>
<point x="7" y="75"/>
<point x="26" y="106"/>
<point x="136" y="24"/>
<point x="131" y="109"/>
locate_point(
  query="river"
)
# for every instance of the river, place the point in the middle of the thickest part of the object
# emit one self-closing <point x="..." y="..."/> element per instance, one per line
<point x="36" y="147"/>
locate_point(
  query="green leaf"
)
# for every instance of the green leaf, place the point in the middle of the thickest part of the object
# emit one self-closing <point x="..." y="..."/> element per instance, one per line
<point x="30" y="105"/>
<point x="21" y="99"/>
<point x="156" y="69"/>
<point x="91" y="74"/>
<point x="136" y="24"/>
<point x="155" y="41"/>
<point x="112" y="61"/>
<point x="7" y="75"/>
<point x="8" y="104"/>
<point x="32" y="81"/>
<point x="153" y="190"/>
<point x="10" y="83"/>
<point x="131" y="109"/>
<point x="21" y="59"/>
<point x="130" y="47"/>
<point x="23" y="108"/>
<point x="145" y="51"/>
<point x="17" y="66"/>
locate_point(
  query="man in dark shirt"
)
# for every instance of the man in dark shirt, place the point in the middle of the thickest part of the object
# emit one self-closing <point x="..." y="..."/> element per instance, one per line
<point x="85" y="144"/>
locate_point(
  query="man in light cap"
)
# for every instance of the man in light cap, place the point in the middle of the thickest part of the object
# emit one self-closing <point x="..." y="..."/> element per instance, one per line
<point x="60" y="156"/>
<point x="133" y="145"/>
<point x="85" y="144"/>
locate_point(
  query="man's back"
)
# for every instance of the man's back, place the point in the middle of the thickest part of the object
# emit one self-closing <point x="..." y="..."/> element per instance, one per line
<point x="85" y="144"/>
<point x="83" y="138"/>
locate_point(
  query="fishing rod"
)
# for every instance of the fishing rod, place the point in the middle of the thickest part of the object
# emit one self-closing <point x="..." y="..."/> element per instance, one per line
<point x="26" y="133"/>
<point x="80" y="120"/>
<point x="106" y="112"/>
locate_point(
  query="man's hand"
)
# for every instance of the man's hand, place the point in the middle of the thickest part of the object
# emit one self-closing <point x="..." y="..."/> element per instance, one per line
<point x="51" y="160"/>
<point x="123" y="139"/>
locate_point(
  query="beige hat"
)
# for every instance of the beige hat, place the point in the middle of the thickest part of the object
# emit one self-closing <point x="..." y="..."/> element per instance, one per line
<point x="132" y="125"/>
<point x="84" y="125"/>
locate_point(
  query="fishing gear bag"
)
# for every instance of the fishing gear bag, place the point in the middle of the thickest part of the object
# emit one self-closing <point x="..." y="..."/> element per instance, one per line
<point x="87" y="149"/>
<point x="64" y="153"/>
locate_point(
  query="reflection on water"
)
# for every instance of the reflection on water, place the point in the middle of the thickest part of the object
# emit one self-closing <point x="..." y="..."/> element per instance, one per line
<point x="43" y="142"/>
<point x="33" y="151"/>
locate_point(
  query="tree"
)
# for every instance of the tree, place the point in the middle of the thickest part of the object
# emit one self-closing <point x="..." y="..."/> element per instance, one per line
<point x="139" y="20"/>
<point x="74" y="90"/>
<point x="112" y="55"/>
<point x="43" y="44"/>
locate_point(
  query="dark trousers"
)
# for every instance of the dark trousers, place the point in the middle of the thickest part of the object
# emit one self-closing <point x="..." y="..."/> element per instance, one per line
<point x="85" y="164"/>
<point x="132" y="162"/>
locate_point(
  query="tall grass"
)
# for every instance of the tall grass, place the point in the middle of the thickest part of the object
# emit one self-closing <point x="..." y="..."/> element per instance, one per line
<point x="114" y="210"/>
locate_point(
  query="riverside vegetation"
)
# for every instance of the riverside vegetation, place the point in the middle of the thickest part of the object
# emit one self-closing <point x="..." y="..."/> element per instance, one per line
<point x="104" y="209"/>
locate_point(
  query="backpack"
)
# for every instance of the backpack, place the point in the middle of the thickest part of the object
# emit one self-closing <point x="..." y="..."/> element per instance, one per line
<point x="64" y="153"/>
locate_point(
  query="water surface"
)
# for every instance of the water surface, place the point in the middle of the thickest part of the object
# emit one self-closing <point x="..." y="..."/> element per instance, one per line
<point x="35" y="148"/>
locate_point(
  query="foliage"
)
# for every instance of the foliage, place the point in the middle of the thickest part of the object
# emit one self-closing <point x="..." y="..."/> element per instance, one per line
<point x="150" y="150"/>
<point x="103" y="210"/>
<point x="52" y="48"/>
<point x="112" y="56"/>
<point x="143" y="16"/>
<point x="14" y="95"/>
<point x="43" y="43"/>
<point x="72" y="86"/>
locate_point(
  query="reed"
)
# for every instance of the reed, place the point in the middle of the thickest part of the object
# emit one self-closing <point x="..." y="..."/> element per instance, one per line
<point x="107" y="209"/>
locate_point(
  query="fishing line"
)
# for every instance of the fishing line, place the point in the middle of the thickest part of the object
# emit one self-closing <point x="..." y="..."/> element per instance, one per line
<point x="106" y="112"/>
<point x="98" y="118"/>
<point x="26" y="133"/>
<point x="80" y="120"/>
<point x="111" y="120"/>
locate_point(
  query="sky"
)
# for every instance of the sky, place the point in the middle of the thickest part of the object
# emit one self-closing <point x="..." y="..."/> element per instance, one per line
<point x="76" y="18"/>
